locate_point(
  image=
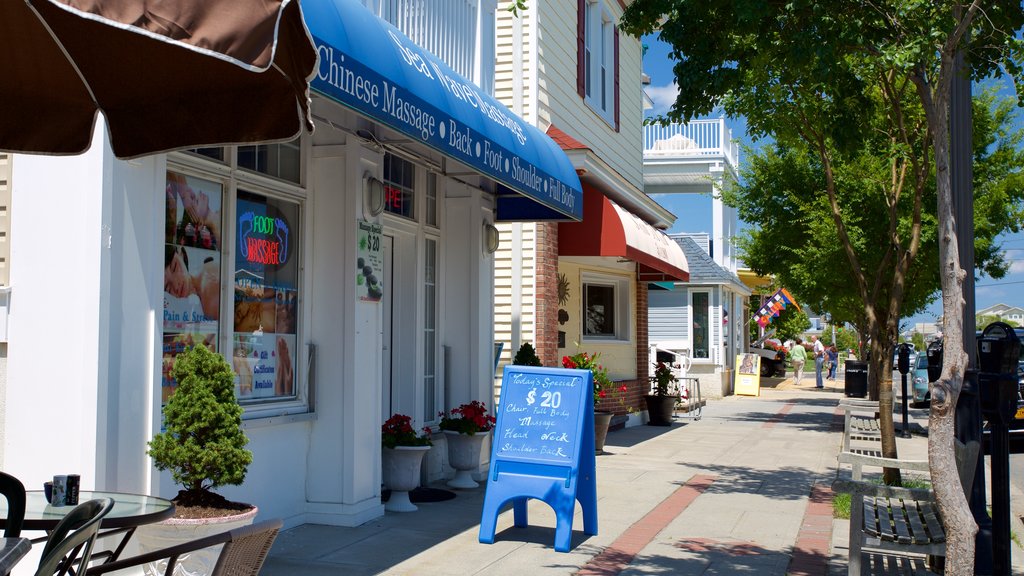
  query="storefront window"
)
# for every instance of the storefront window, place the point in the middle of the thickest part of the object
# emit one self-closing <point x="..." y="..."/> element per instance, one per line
<point x="266" y="297"/>
<point x="399" y="177"/>
<point x="215" y="153"/>
<point x="278" y="160"/>
<point x="431" y="208"/>
<point x="192" y="268"/>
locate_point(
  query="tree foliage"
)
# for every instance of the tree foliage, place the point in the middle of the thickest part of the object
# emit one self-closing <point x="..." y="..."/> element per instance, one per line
<point x="203" y="445"/>
<point x="822" y="78"/>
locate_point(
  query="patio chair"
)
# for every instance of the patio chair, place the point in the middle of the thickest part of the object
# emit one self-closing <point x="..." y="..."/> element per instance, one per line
<point x="14" y="491"/>
<point x="243" y="553"/>
<point x="70" y="544"/>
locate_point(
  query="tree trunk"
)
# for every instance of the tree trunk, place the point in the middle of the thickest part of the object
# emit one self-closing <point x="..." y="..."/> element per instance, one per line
<point x="957" y="518"/>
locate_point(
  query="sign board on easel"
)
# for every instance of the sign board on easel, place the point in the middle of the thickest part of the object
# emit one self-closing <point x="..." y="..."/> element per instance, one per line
<point x="543" y="448"/>
<point x="748" y="375"/>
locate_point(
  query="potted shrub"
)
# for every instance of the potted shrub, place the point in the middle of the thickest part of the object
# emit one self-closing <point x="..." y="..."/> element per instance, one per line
<point x="603" y="386"/>
<point x="402" y="455"/>
<point x="526" y="356"/>
<point x="465" y="428"/>
<point x="661" y="401"/>
<point x="203" y="445"/>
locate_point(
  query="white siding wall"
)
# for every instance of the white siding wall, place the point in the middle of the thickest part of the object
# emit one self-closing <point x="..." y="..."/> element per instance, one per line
<point x="667" y="315"/>
<point x="515" y="288"/>
<point x="560" y="104"/>
<point x="515" y="50"/>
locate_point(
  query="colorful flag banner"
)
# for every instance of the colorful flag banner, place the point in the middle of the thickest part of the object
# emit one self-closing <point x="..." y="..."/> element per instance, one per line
<point x="774" y="306"/>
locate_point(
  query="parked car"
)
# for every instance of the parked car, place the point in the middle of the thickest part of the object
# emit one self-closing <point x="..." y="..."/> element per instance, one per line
<point x="773" y="357"/>
<point x="919" y="372"/>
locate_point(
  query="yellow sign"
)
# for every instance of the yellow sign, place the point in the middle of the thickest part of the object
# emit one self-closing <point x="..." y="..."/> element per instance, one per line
<point x="1020" y="414"/>
<point x="748" y="375"/>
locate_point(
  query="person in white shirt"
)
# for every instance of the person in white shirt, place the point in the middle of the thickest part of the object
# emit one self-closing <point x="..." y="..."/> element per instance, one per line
<point x="819" y="361"/>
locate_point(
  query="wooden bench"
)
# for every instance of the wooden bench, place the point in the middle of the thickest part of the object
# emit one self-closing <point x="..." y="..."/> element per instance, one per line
<point x="889" y="520"/>
<point x="861" y="432"/>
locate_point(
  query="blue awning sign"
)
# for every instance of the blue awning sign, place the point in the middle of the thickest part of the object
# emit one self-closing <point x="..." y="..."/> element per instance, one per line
<point x="369" y="66"/>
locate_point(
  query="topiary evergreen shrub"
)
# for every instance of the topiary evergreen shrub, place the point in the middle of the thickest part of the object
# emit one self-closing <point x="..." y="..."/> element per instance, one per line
<point x="203" y="445"/>
<point x="526" y="356"/>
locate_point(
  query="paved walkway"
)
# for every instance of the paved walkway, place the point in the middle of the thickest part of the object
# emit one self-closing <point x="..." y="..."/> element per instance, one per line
<point x="743" y="490"/>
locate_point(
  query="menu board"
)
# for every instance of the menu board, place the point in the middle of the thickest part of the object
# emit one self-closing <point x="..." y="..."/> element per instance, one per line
<point x="539" y="416"/>
<point x="748" y="375"/>
<point x="544" y="449"/>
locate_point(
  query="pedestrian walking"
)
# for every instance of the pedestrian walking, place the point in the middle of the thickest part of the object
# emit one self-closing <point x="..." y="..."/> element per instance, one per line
<point x="833" y="362"/>
<point x="798" y="356"/>
<point x="819" y="361"/>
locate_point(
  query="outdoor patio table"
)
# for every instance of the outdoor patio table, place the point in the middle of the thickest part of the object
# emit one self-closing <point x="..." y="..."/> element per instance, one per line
<point x="11" y="551"/>
<point x="130" y="511"/>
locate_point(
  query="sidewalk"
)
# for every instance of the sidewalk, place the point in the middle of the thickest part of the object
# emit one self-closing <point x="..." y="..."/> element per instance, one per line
<point x="743" y="490"/>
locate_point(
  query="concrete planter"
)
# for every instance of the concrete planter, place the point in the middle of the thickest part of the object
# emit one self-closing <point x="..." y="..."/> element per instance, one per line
<point x="401" y="472"/>
<point x="601" y="422"/>
<point x="173" y="531"/>
<point x="464" y="457"/>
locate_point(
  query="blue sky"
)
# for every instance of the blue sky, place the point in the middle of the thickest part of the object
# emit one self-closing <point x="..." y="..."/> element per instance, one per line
<point x="697" y="208"/>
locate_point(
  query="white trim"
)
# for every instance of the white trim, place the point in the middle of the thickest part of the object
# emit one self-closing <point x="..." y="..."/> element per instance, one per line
<point x="710" y="359"/>
<point x="600" y="41"/>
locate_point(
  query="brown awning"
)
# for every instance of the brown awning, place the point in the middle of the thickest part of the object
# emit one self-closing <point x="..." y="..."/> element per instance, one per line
<point x="609" y="230"/>
<point x="166" y="75"/>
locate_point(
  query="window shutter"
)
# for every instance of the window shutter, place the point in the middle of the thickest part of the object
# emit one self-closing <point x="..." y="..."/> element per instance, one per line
<point x="615" y="66"/>
<point x="581" y="48"/>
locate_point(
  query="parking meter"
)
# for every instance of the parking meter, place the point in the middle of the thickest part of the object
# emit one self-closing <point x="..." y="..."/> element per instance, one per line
<point x="903" y="365"/>
<point x="934" y="353"/>
<point x="903" y="359"/>
<point x="998" y="354"/>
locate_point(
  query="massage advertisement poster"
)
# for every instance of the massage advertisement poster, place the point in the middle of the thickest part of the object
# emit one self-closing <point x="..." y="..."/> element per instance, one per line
<point x="369" y="262"/>
<point x="192" y="268"/>
<point x="266" y="297"/>
<point x="264" y="365"/>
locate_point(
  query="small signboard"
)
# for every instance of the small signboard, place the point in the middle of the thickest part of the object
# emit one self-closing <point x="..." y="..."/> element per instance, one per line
<point x="748" y="375"/>
<point x="369" y="262"/>
<point x="543" y="448"/>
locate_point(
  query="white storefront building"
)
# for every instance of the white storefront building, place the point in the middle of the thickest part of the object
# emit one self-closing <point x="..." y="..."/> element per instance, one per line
<point x="348" y="275"/>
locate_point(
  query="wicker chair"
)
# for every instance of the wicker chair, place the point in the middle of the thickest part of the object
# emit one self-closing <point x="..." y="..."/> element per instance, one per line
<point x="243" y="553"/>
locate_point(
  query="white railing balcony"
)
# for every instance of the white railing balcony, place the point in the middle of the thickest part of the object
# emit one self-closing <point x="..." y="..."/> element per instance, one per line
<point x="459" y="32"/>
<point x="698" y="139"/>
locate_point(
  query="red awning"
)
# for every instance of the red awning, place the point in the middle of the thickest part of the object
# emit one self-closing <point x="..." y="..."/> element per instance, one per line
<point x="609" y="230"/>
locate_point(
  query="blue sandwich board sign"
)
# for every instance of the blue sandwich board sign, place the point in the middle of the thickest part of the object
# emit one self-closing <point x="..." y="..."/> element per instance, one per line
<point x="543" y="448"/>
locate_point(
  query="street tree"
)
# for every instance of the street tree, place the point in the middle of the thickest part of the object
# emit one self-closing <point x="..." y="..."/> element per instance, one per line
<point x="798" y="71"/>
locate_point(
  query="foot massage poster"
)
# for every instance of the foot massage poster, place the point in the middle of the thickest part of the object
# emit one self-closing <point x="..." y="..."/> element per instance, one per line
<point x="266" y="297"/>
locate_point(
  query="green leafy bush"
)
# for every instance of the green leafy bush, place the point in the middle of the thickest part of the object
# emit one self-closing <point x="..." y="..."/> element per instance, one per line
<point x="203" y="445"/>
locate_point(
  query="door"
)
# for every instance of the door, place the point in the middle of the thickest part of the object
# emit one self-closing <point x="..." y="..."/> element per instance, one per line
<point x="387" y="341"/>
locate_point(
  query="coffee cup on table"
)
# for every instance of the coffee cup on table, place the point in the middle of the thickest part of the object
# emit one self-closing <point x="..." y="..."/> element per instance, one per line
<point x="48" y="490"/>
<point x="60" y="490"/>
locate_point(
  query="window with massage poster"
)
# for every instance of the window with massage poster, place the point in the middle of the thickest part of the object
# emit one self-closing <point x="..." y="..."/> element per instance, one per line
<point x="266" y="297"/>
<point x="192" y="268"/>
